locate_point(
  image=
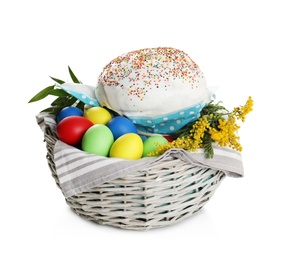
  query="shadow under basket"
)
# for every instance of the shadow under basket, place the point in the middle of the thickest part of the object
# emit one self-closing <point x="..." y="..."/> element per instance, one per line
<point x="162" y="195"/>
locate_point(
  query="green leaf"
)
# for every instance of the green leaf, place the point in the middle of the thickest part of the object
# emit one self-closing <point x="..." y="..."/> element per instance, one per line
<point x="80" y="105"/>
<point x="64" y="101"/>
<point x="208" y="146"/>
<point x="59" y="81"/>
<point x="60" y="101"/>
<point x="73" y="77"/>
<point x="71" y="101"/>
<point x="212" y="108"/>
<point x="58" y="92"/>
<point x="52" y="110"/>
<point x="42" y="94"/>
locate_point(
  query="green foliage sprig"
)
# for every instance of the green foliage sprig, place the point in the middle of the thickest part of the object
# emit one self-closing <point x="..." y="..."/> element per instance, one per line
<point x="215" y="125"/>
<point x="63" y="98"/>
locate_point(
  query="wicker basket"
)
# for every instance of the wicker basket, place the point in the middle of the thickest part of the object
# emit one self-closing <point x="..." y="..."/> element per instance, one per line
<point x="155" y="197"/>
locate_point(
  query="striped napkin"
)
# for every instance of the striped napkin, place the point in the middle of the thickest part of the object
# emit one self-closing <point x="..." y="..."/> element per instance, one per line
<point x="79" y="171"/>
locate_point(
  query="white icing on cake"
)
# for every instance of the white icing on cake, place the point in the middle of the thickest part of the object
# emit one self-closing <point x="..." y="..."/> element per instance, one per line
<point x="152" y="83"/>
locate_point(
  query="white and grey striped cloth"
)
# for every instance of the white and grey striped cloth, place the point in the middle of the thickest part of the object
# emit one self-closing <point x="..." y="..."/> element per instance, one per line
<point x="79" y="171"/>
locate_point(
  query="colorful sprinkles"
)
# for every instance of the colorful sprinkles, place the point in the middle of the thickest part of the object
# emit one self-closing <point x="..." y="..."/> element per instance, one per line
<point x="154" y="67"/>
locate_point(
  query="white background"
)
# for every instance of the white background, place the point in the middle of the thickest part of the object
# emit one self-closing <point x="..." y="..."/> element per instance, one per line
<point x="239" y="45"/>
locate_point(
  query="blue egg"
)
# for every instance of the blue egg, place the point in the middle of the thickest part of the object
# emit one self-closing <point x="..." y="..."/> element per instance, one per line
<point x="68" y="111"/>
<point x="121" y="125"/>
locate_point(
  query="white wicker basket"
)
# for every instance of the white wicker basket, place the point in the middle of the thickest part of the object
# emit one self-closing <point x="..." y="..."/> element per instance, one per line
<point x="155" y="197"/>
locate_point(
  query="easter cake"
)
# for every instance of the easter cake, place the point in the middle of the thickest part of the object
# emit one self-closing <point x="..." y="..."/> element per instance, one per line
<point x="160" y="89"/>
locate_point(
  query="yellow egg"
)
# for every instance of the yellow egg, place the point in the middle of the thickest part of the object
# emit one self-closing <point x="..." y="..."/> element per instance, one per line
<point x="98" y="115"/>
<point x="127" y="146"/>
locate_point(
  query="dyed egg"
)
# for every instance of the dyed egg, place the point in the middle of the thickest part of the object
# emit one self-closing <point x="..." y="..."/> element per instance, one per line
<point x="98" y="139"/>
<point x="98" y="115"/>
<point x="151" y="144"/>
<point x="121" y="125"/>
<point x="70" y="130"/>
<point x="127" y="146"/>
<point x="68" y="111"/>
<point x="168" y="138"/>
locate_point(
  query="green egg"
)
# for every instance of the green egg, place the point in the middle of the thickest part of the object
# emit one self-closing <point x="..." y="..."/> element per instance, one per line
<point x="98" y="139"/>
<point x="151" y="144"/>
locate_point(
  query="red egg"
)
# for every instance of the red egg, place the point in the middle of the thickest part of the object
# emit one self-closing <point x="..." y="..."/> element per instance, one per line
<point x="70" y="130"/>
<point x="168" y="138"/>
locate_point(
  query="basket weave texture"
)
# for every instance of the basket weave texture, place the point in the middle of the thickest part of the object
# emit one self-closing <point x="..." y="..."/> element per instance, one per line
<point x="158" y="196"/>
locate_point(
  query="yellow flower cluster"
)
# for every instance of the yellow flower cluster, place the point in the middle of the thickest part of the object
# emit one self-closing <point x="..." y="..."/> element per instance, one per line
<point x="215" y="125"/>
<point x="190" y="142"/>
<point x="199" y="129"/>
<point x="241" y="112"/>
<point x="225" y="135"/>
